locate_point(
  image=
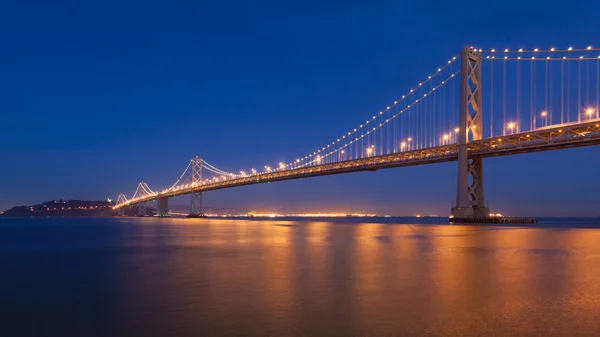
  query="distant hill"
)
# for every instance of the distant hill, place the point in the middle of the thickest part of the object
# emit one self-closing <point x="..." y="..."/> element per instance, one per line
<point x="69" y="208"/>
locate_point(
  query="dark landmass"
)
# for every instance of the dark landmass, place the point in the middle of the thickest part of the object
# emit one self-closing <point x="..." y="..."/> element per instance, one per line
<point x="71" y="208"/>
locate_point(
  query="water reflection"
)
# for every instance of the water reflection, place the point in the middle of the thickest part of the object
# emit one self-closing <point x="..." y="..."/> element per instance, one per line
<point x="182" y="277"/>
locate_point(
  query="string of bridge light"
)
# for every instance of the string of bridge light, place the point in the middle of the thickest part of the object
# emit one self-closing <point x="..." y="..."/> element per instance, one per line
<point x="384" y="123"/>
<point x="206" y="166"/>
<point x="495" y="52"/>
<point x="135" y="196"/>
<point x="387" y="109"/>
<point x="121" y="199"/>
<point x="180" y="177"/>
<point x="354" y="131"/>
<point x="137" y="190"/>
<point x="536" y="50"/>
<point x="147" y="188"/>
<point x="218" y="171"/>
<point x="343" y="138"/>
<point x="547" y="58"/>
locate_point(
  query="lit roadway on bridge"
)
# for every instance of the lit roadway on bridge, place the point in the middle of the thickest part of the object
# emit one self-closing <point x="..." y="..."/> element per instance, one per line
<point x="543" y="139"/>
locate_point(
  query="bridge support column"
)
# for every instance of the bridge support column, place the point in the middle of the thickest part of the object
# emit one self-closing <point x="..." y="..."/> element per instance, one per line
<point x="121" y="211"/>
<point x="196" y="208"/>
<point x="142" y="209"/>
<point x="469" y="194"/>
<point x="163" y="207"/>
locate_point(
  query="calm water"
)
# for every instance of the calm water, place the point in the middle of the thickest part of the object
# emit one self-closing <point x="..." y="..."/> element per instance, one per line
<point x="184" y="277"/>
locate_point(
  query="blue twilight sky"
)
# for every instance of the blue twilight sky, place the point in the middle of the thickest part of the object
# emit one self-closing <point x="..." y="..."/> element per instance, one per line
<point x="98" y="95"/>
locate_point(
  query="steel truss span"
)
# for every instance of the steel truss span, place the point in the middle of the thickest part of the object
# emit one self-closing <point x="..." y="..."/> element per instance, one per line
<point x="543" y="139"/>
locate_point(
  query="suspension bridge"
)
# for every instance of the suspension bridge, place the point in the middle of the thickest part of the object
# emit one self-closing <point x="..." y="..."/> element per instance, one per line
<point x="478" y="104"/>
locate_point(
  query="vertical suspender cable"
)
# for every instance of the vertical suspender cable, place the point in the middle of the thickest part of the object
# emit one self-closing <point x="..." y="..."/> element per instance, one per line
<point x="424" y="122"/>
<point x="432" y="121"/>
<point x="530" y="95"/>
<point x="562" y="92"/>
<point x="533" y="91"/>
<point x="409" y="124"/>
<point x="534" y="95"/>
<point x="387" y="142"/>
<point x="504" y="99"/>
<point x="492" y="98"/>
<point x="396" y="120"/>
<point x="382" y="127"/>
<point x="518" y="94"/>
<point x="362" y="143"/>
<point x="568" y="93"/>
<point x="418" y="125"/>
<point x="578" y="91"/>
<point x="587" y="83"/>
<point x="551" y="111"/>
<point x="546" y="96"/>
<point x="597" y="88"/>
<point x="453" y="115"/>
<point x="441" y="108"/>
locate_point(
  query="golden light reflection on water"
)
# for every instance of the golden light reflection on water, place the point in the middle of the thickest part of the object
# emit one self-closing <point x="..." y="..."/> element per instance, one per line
<point x="315" y="278"/>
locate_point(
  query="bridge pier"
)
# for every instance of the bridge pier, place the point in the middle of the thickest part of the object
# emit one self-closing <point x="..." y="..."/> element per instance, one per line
<point x="470" y="201"/>
<point x="142" y="209"/>
<point x="121" y="211"/>
<point x="196" y="207"/>
<point x="163" y="207"/>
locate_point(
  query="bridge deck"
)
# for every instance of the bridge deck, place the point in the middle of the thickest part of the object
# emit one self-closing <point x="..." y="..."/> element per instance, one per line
<point x="543" y="139"/>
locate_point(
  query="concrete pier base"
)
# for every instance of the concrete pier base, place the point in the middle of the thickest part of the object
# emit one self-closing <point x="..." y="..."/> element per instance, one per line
<point x="192" y="215"/>
<point x="163" y="207"/>
<point x="493" y="220"/>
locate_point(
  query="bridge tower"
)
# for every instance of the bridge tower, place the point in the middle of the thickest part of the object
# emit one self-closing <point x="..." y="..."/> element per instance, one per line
<point x="470" y="201"/>
<point x="142" y="209"/>
<point x="121" y="199"/>
<point x="196" y="208"/>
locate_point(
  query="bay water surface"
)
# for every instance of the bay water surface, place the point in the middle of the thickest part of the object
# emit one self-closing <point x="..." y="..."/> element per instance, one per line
<point x="293" y="277"/>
